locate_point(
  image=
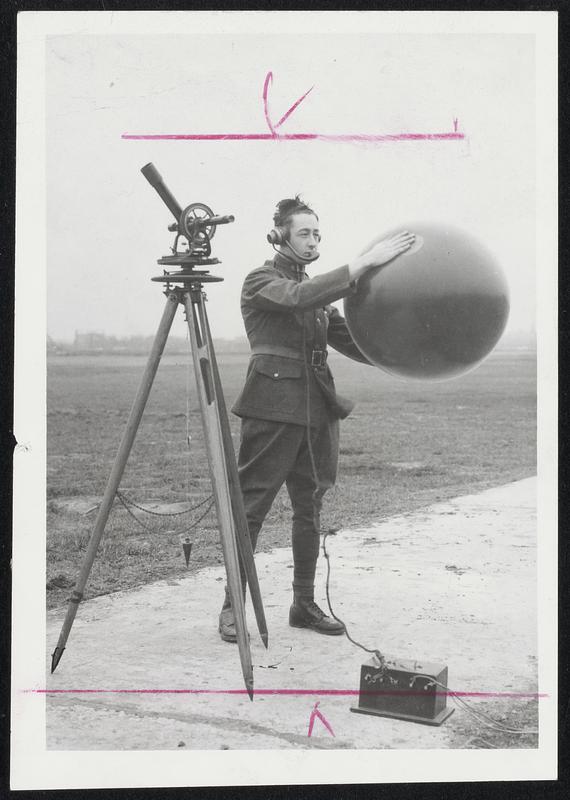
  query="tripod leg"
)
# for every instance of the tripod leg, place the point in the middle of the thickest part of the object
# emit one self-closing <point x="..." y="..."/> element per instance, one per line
<point x="193" y="302"/>
<point x="117" y="471"/>
<point x="240" y="519"/>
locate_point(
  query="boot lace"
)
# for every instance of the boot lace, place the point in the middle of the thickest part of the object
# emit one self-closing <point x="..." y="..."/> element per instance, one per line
<point x="314" y="609"/>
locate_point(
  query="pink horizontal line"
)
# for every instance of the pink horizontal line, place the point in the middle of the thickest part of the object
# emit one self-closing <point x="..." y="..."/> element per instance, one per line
<point x="323" y="137"/>
<point x="324" y="692"/>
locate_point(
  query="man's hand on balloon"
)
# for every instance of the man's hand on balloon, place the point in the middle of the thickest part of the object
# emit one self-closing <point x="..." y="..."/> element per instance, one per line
<point x="382" y="252"/>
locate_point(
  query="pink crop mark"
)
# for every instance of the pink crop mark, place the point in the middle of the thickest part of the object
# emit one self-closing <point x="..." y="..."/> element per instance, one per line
<point x="275" y="135"/>
<point x="296" y="692"/>
<point x="315" y="713"/>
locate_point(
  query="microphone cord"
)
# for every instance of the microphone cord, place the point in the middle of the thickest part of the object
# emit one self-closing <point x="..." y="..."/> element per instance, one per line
<point x="479" y="716"/>
<point x="317" y="501"/>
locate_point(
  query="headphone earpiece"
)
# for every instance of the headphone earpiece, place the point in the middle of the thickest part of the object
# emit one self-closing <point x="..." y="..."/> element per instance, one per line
<point x="277" y="236"/>
<point x="280" y="236"/>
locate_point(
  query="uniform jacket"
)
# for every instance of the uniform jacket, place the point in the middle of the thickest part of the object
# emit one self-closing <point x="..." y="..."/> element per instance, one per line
<point x="284" y="310"/>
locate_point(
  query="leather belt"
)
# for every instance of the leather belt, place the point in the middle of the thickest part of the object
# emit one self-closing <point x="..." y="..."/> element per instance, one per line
<point x="318" y="358"/>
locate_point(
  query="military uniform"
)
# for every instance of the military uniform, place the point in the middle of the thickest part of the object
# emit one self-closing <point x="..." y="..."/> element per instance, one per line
<point x="289" y="390"/>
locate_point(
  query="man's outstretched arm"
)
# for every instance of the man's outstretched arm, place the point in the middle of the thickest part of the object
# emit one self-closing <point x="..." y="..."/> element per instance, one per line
<point x="267" y="290"/>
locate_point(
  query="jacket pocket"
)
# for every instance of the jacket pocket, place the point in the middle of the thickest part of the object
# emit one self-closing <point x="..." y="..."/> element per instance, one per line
<point x="278" y="368"/>
<point x="274" y="389"/>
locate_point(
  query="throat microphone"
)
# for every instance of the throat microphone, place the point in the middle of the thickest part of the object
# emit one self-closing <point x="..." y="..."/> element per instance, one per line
<point x="300" y="256"/>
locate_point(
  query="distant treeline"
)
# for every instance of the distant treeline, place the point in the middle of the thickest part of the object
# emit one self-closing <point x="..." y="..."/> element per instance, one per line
<point x="97" y="342"/>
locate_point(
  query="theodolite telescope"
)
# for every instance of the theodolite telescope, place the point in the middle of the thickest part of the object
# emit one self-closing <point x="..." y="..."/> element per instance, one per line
<point x="196" y="224"/>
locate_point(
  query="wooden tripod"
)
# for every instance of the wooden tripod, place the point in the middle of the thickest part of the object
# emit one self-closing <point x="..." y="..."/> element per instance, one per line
<point x="236" y="544"/>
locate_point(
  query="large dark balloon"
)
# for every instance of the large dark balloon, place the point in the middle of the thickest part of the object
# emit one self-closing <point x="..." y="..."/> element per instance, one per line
<point x="433" y="312"/>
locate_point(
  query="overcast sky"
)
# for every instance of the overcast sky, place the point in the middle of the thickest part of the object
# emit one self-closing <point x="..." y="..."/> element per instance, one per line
<point x="106" y="226"/>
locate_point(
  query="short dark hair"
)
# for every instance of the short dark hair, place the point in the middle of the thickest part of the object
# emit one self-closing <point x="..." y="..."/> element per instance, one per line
<point x="286" y="209"/>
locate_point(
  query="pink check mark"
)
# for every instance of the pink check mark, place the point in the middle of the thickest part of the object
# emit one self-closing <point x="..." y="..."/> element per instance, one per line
<point x="287" y="114"/>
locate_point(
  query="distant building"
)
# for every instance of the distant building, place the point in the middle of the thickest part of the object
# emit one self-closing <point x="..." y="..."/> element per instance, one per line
<point x="90" y="340"/>
<point x="99" y="342"/>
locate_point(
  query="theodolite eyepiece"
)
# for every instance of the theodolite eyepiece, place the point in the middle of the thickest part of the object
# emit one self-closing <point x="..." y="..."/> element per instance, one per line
<point x="154" y="177"/>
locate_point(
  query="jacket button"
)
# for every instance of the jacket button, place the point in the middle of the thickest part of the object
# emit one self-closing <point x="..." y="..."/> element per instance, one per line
<point x="275" y="374"/>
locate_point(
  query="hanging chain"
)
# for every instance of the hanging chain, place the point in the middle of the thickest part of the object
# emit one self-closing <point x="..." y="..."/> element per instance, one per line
<point x="127" y="505"/>
<point x="127" y="502"/>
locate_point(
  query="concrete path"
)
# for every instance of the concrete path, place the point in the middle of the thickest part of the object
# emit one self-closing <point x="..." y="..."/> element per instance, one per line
<point x="453" y="584"/>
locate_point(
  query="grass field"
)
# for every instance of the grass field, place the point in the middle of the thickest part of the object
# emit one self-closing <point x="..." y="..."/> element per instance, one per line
<point x="405" y="446"/>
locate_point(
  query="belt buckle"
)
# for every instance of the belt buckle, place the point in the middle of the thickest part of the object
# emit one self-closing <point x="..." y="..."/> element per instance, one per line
<point x="319" y="358"/>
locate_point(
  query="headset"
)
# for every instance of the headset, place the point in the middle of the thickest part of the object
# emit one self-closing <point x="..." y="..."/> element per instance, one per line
<point x="278" y="237"/>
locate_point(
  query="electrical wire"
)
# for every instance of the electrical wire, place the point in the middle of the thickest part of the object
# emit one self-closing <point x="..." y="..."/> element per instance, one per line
<point x="316" y="502"/>
<point x="381" y="658"/>
<point x="480" y="716"/>
<point x="487" y="720"/>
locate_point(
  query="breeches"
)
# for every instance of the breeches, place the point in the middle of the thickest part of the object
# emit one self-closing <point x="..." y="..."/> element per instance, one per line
<point x="275" y="453"/>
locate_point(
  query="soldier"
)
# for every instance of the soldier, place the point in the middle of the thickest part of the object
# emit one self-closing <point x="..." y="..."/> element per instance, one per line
<point x="289" y="407"/>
